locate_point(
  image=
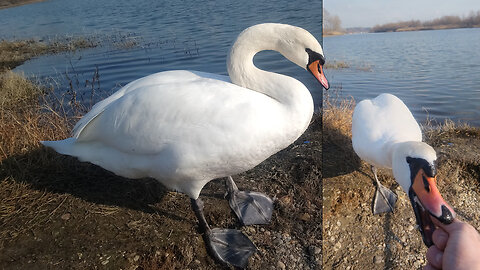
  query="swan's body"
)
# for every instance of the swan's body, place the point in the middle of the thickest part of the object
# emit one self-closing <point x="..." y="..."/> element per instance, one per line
<point x="186" y="133"/>
<point x="378" y="125"/>
<point x="185" y="128"/>
<point x="385" y="134"/>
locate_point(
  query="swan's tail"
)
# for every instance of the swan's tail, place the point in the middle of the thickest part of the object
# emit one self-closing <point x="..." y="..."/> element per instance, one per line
<point x="64" y="147"/>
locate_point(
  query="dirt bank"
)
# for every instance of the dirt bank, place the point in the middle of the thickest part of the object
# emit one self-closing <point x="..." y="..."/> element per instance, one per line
<point x="58" y="213"/>
<point x="356" y="239"/>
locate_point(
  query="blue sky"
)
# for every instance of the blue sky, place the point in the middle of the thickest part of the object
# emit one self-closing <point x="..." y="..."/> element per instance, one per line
<point x="367" y="13"/>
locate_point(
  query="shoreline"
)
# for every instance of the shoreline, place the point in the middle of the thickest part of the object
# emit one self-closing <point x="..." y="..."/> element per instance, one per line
<point x="16" y="3"/>
<point x="399" y="30"/>
<point x="439" y="27"/>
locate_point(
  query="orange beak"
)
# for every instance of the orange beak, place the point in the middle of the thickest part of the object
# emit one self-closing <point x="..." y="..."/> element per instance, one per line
<point x="426" y="202"/>
<point x="317" y="70"/>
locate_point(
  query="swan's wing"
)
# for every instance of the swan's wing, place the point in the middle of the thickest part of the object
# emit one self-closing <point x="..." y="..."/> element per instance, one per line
<point x="385" y="118"/>
<point x="378" y="122"/>
<point x="397" y="120"/>
<point x="153" y="79"/>
<point x="97" y="109"/>
<point x="200" y="120"/>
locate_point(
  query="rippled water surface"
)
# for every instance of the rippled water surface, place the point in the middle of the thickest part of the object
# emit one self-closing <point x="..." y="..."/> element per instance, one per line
<point x="144" y="37"/>
<point x="436" y="73"/>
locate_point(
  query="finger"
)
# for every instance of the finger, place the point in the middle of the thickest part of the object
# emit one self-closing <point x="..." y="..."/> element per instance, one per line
<point x="447" y="227"/>
<point x="434" y="257"/>
<point x="440" y="238"/>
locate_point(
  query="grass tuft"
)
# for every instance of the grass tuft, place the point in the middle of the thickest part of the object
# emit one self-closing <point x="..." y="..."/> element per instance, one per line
<point x="336" y="65"/>
<point x="14" y="53"/>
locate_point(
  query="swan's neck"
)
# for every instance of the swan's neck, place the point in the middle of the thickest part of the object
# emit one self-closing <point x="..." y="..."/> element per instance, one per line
<point x="400" y="151"/>
<point x="286" y="90"/>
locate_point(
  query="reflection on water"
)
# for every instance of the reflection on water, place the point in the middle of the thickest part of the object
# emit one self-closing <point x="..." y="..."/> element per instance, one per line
<point x="436" y="73"/>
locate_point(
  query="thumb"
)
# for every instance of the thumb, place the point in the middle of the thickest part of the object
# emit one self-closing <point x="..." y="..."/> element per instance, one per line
<point x="449" y="228"/>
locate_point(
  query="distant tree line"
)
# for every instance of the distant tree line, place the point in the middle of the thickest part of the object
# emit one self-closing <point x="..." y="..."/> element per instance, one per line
<point x="445" y="22"/>
<point x="331" y="24"/>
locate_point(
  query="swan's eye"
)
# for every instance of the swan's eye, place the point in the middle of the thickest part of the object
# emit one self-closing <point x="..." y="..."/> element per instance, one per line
<point x="425" y="183"/>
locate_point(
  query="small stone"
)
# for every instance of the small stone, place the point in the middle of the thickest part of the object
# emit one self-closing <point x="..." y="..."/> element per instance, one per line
<point x="136" y="258"/>
<point x="286" y="200"/>
<point x="66" y="216"/>
<point x="277" y="241"/>
<point x="378" y="259"/>
<point x="313" y="250"/>
<point x="337" y="246"/>
<point x="281" y="265"/>
<point x="105" y="262"/>
<point x="305" y="217"/>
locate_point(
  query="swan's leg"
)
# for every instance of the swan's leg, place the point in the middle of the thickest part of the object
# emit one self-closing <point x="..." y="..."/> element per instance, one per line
<point x="250" y="207"/>
<point x="385" y="199"/>
<point x="225" y="245"/>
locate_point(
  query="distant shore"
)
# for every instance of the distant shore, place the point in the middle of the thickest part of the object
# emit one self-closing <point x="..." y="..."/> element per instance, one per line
<point x="424" y="28"/>
<point x="14" y="3"/>
<point x="445" y="22"/>
<point x="403" y="29"/>
<point x="333" y="33"/>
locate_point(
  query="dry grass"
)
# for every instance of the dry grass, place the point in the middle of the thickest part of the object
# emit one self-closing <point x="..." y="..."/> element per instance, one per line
<point x="16" y="91"/>
<point x="25" y="120"/>
<point x="337" y="112"/>
<point x="336" y="65"/>
<point x="25" y="117"/>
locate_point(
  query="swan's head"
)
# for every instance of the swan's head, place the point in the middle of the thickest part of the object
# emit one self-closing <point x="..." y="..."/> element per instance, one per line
<point x="295" y="43"/>
<point x="303" y="49"/>
<point x="315" y="66"/>
<point x="415" y="170"/>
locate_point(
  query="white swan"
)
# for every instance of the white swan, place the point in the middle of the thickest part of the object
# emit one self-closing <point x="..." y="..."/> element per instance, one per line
<point x="385" y="134"/>
<point x="185" y="128"/>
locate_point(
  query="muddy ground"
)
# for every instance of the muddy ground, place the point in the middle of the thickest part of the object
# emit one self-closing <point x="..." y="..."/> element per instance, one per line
<point x="356" y="239"/>
<point x="59" y="213"/>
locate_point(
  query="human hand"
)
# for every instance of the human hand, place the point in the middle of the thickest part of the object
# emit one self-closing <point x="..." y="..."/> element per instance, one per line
<point x="456" y="247"/>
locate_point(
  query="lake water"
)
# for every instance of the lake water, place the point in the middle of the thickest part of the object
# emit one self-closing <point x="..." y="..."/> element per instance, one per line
<point x="186" y="34"/>
<point x="436" y="73"/>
